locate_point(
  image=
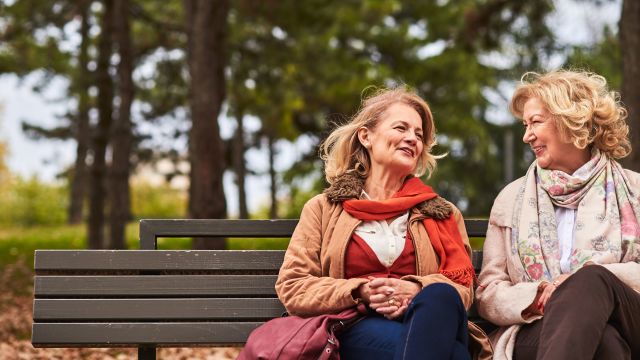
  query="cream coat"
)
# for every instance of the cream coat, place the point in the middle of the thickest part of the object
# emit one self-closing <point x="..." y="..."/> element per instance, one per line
<point x="501" y="297"/>
<point x="311" y="280"/>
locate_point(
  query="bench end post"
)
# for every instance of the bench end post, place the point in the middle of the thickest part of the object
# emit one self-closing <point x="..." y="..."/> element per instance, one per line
<point x="146" y="353"/>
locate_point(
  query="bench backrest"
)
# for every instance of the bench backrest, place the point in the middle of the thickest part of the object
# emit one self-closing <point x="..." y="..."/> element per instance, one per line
<point x="152" y="229"/>
<point x="120" y="298"/>
<point x="151" y="298"/>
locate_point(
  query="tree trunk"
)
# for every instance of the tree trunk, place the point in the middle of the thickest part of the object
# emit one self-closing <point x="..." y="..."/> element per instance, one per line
<point x="122" y="136"/>
<point x="101" y="135"/>
<point x="206" y="22"/>
<point x="273" y="211"/>
<point x="79" y="175"/>
<point x="630" y="47"/>
<point x="239" y="165"/>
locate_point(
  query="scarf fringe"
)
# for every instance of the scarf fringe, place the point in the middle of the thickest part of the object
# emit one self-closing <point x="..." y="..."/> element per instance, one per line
<point x="461" y="276"/>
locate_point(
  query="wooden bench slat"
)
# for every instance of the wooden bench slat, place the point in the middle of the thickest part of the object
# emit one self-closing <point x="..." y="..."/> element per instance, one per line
<point x="217" y="228"/>
<point x="476" y="260"/>
<point x="247" y="228"/>
<point x="155" y="285"/>
<point x="158" y="260"/>
<point x="476" y="228"/>
<point x="135" y="334"/>
<point x="156" y="309"/>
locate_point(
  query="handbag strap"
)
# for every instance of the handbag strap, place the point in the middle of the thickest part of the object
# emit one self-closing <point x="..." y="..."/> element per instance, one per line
<point x="341" y="325"/>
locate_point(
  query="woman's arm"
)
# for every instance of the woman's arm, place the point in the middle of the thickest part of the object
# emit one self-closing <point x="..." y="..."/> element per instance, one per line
<point x="300" y="285"/>
<point x="499" y="300"/>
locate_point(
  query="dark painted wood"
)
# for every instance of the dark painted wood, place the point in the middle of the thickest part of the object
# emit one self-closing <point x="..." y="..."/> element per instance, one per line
<point x="476" y="227"/>
<point x="150" y="230"/>
<point x="231" y="309"/>
<point x="476" y="260"/>
<point x="160" y="285"/>
<point x="146" y="353"/>
<point x="128" y="334"/>
<point x="158" y="260"/>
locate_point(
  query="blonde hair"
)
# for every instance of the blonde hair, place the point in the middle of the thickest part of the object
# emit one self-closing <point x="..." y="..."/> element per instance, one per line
<point x="342" y="151"/>
<point x="585" y="111"/>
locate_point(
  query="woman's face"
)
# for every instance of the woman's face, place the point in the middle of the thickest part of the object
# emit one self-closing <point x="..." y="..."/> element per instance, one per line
<point x="396" y="142"/>
<point x="544" y="138"/>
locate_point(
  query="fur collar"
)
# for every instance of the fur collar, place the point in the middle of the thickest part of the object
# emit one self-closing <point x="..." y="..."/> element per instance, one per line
<point x="349" y="186"/>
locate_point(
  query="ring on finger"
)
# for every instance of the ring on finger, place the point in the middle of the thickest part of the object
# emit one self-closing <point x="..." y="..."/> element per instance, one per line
<point x="392" y="302"/>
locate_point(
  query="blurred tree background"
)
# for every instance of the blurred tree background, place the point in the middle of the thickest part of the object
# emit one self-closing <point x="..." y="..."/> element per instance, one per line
<point x="191" y="89"/>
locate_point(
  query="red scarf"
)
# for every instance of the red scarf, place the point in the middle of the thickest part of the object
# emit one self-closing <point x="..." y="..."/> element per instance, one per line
<point x="444" y="235"/>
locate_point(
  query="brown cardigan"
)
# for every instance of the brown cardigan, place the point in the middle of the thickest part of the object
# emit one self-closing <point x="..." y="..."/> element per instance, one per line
<point x="311" y="279"/>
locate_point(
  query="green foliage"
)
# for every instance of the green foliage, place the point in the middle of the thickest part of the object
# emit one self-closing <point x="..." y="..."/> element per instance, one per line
<point x="28" y="202"/>
<point x="603" y="58"/>
<point x="31" y="202"/>
<point x="298" y="196"/>
<point x="157" y="202"/>
<point x="301" y="66"/>
<point x="307" y="67"/>
<point x="25" y="47"/>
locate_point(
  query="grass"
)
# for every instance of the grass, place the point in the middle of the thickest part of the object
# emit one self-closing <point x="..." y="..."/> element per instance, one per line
<point x="21" y="242"/>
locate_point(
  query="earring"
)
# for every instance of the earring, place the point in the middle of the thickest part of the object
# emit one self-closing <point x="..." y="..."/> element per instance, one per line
<point x="360" y="169"/>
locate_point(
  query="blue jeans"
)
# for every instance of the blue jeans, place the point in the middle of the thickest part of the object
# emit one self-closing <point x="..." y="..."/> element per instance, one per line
<point x="433" y="327"/>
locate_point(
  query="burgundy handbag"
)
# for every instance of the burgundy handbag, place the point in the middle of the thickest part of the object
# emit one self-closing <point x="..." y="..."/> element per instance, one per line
<point x="293" y="337"/>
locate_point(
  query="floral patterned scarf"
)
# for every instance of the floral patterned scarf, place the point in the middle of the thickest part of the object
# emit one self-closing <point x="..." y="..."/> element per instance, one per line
<point x="607" y="226"/>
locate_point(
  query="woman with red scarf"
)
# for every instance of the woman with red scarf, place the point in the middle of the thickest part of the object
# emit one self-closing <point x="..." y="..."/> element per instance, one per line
<point x="379" y="236"/>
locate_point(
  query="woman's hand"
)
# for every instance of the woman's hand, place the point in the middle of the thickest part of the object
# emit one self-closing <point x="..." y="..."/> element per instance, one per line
<point x="391" y="297"/>
<point x="534" y="309"/>
<point x="545" y="290"/>
<point x="549" y="289"/>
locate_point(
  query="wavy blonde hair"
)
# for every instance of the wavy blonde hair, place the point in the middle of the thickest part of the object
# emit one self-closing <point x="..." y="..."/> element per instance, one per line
<point x="342" y="151"/>
<point x="585" y="111"/>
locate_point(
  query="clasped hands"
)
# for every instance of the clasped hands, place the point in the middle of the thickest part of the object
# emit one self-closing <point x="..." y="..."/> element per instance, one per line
<point x="545" y="290"/>
<point x="387" y="296"/>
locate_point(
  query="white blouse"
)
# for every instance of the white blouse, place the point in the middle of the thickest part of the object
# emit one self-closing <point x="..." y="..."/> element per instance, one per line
<point x="566" y="223"/>
<point x="385" y="239"/>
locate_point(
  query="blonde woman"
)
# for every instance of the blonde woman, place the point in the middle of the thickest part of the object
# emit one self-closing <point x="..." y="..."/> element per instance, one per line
<point x="561" y="269"/>
<point x="379" y="236"/>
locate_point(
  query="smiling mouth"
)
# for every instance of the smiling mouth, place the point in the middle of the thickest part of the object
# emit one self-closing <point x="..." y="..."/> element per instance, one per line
<point x="407" y="151"/>
<point x="537" y="149"/>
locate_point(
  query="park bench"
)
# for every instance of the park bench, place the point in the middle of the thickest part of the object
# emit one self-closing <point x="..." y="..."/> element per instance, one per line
<point x="153" y="298"/>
